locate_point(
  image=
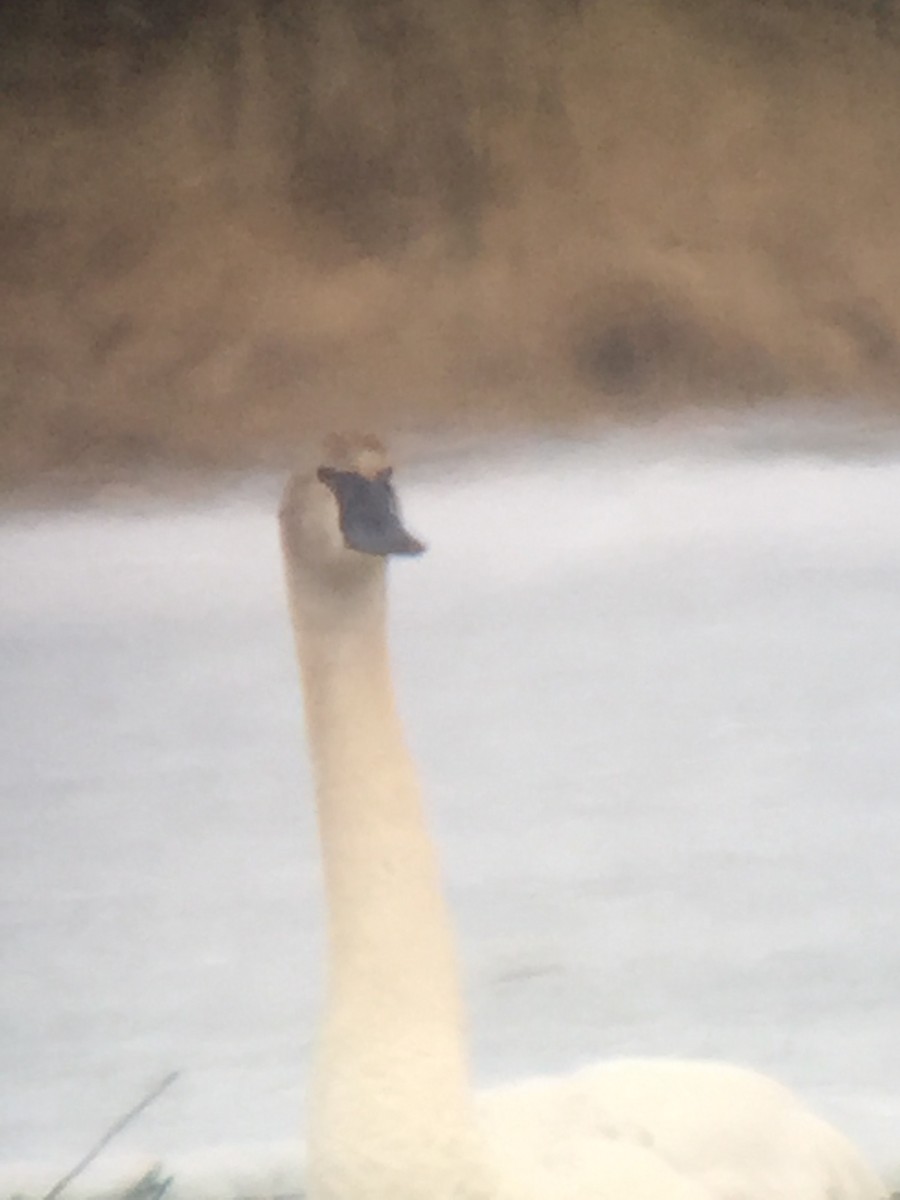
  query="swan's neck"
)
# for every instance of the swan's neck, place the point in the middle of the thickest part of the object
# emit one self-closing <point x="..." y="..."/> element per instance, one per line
<point x="391" y="1086"/>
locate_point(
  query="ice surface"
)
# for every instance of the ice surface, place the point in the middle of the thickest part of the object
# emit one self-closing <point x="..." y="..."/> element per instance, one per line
<point x="653" y="683"/>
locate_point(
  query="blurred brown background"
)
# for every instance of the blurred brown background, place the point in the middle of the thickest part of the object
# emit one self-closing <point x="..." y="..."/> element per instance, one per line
<point x="226" y="225"/>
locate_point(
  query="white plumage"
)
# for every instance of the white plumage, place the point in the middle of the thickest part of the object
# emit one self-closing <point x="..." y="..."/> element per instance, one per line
<point x="393" y="1113"/>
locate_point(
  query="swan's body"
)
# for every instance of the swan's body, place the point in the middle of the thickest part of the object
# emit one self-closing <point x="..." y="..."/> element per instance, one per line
<point x="393" y="1112"/>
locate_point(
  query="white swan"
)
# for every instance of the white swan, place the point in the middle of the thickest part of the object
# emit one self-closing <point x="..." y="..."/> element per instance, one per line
<point x="393" y="1115"/>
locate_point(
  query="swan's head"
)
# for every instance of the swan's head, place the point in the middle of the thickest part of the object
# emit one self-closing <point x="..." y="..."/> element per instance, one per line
<point x="344" y="513"/>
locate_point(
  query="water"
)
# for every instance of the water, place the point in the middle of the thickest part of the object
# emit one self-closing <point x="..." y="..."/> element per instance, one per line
<point x="654" y="686"/>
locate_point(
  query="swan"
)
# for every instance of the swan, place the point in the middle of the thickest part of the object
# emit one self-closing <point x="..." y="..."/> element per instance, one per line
<point x="393" y="1112"/>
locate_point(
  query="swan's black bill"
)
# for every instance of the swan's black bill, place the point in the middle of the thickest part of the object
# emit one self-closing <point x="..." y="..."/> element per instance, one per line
<point x="369" y="517"/>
